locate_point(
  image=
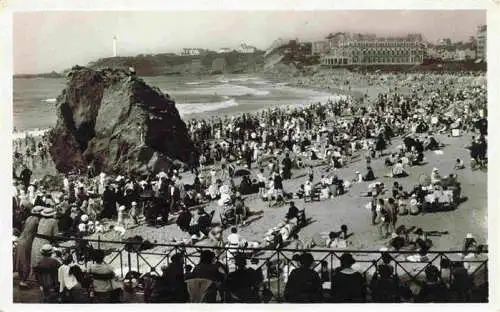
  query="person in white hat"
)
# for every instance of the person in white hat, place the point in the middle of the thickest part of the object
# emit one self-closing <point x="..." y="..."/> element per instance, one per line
<point x="134" y="212"/>
<point x="46" y="272"/>
<point x="47" y="228"/>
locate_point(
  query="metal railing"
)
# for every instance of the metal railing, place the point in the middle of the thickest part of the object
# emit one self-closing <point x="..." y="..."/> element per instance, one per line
<point x="275" y="264"/>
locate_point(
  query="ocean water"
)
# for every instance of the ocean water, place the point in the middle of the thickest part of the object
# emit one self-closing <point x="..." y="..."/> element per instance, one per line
<point x="35" y="98"/>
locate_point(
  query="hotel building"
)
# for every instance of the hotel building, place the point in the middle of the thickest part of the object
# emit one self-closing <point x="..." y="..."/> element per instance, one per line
<point x="366" y="50"/>
<point x="481" y="42"/>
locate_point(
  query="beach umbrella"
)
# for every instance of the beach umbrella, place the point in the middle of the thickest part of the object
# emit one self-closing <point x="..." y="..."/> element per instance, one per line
<point x="241" y="173"/>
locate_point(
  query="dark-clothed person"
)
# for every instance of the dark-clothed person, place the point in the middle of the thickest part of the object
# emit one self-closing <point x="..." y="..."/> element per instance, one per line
<point x="304" y="284"/>
<point x="348" y="285"/>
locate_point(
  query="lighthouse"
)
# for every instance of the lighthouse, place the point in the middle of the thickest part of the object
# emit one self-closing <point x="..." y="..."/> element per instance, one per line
<point x="114" y="46"/>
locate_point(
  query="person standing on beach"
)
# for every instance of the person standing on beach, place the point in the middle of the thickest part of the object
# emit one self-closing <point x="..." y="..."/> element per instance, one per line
<point x="287" y="167"/>
<point x="25" y="176"/>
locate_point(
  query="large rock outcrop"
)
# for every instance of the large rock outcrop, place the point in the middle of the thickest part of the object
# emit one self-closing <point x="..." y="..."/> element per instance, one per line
<point x="117" y="122"/>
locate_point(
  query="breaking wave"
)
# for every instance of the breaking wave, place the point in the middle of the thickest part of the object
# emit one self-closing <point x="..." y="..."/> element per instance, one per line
<point x="193" y="108"/>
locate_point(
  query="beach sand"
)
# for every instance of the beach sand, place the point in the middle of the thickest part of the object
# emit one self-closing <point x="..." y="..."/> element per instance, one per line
<point x="349" y="209"/>
<point x="329" y="215"/>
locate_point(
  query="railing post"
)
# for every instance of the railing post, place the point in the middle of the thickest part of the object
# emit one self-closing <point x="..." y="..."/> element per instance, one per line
<point x="279" y="278"/>
<point x="121" y="262"/>
<point x="129" y="261"/>
<point x="137" y="261"/>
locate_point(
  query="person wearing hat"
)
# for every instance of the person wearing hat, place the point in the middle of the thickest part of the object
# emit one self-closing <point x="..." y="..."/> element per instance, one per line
<point x="202" y="283"/>
<point x="65" y="221"/>
<point x="46" y="273"/>
<point x="243" y="282"/>
<point x="348" y="285"/>
<point x="304" y="283"/>
<point x="47" y="228"/>
<point x="184" y="219"/>
<point x="106" y="288"/>
<point x="22" y="258"/>
<point x="433" y="289"/>
<point x="202" y="226"/>
<point x="171" y="286"/>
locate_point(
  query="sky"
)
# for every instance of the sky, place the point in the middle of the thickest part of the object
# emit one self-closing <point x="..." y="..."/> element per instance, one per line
<point x="56" y="40"/>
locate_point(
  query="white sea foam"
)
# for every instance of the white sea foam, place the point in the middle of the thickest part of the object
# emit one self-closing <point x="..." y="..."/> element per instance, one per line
<point x="226" y="89"/>
<point x="192" y="108"/>
<point x="32" y="132"/>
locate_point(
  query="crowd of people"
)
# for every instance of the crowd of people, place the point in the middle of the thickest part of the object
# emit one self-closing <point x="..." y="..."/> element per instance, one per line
<point x="62" y="280"/>
<point x="271" y="146"/>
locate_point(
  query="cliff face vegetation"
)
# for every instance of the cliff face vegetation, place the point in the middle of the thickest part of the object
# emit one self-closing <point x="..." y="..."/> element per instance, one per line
<point x="171" y="64"/>
<point x="116" y="122"/>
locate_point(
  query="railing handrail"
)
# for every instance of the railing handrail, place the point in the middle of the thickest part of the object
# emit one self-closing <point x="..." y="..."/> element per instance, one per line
<point x="319" y="250"/>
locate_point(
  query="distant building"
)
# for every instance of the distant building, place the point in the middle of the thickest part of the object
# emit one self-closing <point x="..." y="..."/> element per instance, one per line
<point x="481" y="43"/>
<point x="191" y="52"/>
<point x="225" y="50"/>
<point x="244" y="48"/>
<point x="465" y="54"/>
<point x="368" y="49"/>
<point x="320" y="47"/>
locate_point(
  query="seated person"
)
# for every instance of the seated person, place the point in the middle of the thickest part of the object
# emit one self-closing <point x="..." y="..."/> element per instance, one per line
<point x="432" y="144"/>
<point x="300" y="193"/>
<point x="397" y="241"/>
<point x="245" y="187"/>
<point x="338" y="186"/>
<point x="402" y="203"/>
<point x="459" y="164"/>
<point x="190" y="199"/>
<point x="184" y="219"/>
<point x="215" y="236"/>
<point x="390" y="161"/>
<point x="435" y="176"/>
<point x="357" y="177"/>
<point x="293" y="212"/>
<point x="398" y="170"/>
<point x="375" y="188"/>
<point x="324" y="192"/>
<point x="325" y="181"/>
<point x="369" y="176"/>
<point x="201" y="227"/>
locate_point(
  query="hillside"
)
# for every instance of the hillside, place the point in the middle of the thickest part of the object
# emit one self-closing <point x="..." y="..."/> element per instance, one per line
<point x="172" y="64"/>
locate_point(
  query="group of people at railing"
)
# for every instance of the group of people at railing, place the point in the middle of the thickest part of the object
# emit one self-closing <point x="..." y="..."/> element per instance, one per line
<point x="303" y="279"/>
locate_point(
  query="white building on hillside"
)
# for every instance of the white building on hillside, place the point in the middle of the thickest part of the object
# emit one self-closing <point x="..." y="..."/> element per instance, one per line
<point x="244" y="48"/>
<point x="191" y="52"/>
<point x="225" y="50"/>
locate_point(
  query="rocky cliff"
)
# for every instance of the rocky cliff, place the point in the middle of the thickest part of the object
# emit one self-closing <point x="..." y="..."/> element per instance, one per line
<point x="117" y="122"/>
